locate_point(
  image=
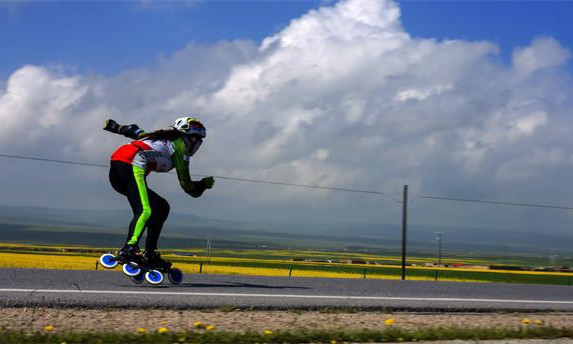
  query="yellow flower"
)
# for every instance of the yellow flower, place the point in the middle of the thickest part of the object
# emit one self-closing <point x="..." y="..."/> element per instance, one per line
<point x="526" y="321"/>
<point x="333" y="342"/>
<point x="164" y="322"/>
<point x="538" y="322"/>
<point x="48" y="328"/>
<point x="389" y="322"/>
<point x="198" y="324"/>
<point x="141" y="330"/>
<point x="267" y="332"/>
<point x="210" y="328"/>
<point x="162" y="330"/>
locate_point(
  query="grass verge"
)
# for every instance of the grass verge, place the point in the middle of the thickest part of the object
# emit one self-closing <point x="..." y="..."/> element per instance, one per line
<point x="318" y="336"/>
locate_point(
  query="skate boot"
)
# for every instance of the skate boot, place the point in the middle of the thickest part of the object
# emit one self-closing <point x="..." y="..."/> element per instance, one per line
<point x="154" y="261"/>
<point x="130" y="254"/>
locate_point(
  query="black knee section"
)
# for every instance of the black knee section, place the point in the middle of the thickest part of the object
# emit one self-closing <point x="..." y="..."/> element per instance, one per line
<point x="165" y="209"/>
<point x="161" y="211"/>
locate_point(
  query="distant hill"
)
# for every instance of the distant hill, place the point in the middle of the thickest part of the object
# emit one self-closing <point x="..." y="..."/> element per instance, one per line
<point x="107" y="228"/>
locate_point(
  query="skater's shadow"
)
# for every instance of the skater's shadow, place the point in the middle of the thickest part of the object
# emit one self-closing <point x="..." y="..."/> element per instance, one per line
<point x="228" y="285"/>
<point x="244" y="285"/>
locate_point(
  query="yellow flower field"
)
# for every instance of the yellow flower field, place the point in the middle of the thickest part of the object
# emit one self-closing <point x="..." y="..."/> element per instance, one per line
<point x="88" y="262"/>
<point x="273" y="263"/>
<point x="309" y="254"/>
<point x="43" y="261"/>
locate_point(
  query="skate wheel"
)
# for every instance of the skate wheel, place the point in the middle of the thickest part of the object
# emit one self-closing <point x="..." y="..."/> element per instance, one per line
<point x="137" y="279"/>
<point x="154" y="277"/>
<point x="175" y="276"/>
<point x="108" y="261"/>
<point x="131" y="270"/>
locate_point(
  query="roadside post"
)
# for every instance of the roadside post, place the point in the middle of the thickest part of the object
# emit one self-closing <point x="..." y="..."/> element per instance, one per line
<point x="439" y="240"/>
<point x="404" y="229"/>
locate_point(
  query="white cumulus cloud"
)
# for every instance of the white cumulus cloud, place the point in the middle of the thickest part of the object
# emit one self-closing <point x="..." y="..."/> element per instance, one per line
<point x="342" y="96"/>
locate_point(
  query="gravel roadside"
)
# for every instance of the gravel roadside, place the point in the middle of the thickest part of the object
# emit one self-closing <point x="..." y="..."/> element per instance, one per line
<point x="129" y="320"/>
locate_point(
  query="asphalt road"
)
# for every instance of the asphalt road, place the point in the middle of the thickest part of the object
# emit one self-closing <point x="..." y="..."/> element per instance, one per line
<point x="31" y="287"/>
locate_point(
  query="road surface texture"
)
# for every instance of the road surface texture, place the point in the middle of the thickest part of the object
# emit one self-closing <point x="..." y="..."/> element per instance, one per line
<point x="95" y="289"/>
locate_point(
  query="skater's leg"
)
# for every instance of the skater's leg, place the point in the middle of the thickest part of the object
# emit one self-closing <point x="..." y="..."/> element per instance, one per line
<point x="130" y="182"/>
<point x="155" y="223"/>
<point x="139" y="200"/>
<point x="118" y="177"/>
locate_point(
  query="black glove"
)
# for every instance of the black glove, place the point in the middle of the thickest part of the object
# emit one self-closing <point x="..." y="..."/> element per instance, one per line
<point x="111" y="126"/>
<point x="132" y="131"/>
<point x="200" y="186"/>
<point x="207" y="182"/>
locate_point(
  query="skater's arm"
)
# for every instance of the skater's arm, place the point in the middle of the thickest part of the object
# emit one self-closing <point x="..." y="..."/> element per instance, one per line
<point x="195" y="189"/>
<point x="132" y="130"/>
<point x="182" y="167"/>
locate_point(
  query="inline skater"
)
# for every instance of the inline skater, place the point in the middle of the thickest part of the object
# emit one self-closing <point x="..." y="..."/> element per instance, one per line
<point x="158" y="151"/>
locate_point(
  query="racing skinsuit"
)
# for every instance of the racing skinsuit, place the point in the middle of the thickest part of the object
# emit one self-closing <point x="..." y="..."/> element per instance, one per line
<point x="130" y="164"/>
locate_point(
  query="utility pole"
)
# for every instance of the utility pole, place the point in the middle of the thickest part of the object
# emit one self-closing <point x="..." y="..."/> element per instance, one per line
<point x="439" y="262"/>
<point x="208" y="248"/>
<point x="439" y="239"/>
<point x="404" y="229"/>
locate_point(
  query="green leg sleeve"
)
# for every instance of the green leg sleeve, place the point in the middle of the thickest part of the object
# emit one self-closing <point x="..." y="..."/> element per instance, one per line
<point x="139" y="175"/>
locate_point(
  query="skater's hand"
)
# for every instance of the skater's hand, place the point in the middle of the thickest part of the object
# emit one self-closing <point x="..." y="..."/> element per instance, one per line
<point x="132" y="131"/>
<point x="111" y="126"/>
<point x="208" y="182"/>
<point x="200" y="186"/>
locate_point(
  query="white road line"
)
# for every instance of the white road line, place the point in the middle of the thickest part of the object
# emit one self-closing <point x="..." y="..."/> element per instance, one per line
<point x="331" y="297"/>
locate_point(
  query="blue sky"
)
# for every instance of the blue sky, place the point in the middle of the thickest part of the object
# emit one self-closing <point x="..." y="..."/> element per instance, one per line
<point x="111" y="36"/>
<point x="108" y="37"/>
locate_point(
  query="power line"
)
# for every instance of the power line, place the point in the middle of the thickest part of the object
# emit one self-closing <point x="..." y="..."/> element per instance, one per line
<point x="312" y="187"/>
<point x="69" y="162"/>
<point x="534" y="205"/>
<point x="466" y="200"/>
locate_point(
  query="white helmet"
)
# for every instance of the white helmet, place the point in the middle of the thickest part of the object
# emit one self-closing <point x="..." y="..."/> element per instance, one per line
<point x="190" y="126"/>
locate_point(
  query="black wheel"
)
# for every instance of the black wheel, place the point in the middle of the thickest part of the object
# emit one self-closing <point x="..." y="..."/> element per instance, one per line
<point x="175" y="276"/>
<point x="137" y="279"/>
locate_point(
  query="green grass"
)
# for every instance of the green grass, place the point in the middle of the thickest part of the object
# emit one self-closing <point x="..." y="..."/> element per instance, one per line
<point x="498" y="277"/>
<point x="316" y="336"/>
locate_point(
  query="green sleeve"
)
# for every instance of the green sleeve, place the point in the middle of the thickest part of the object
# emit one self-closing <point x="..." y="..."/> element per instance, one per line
<point x="182" y="166"/>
